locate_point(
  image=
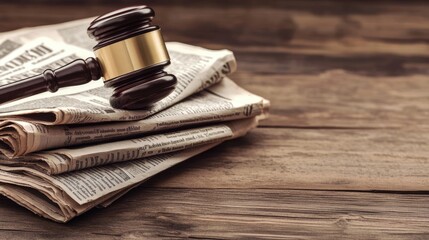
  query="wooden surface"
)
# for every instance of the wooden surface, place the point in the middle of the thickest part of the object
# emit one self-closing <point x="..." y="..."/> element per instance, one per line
<point x="345" y="153"/>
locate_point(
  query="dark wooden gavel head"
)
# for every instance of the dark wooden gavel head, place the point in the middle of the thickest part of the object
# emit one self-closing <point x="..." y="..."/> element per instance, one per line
<point x="130" y="56"/>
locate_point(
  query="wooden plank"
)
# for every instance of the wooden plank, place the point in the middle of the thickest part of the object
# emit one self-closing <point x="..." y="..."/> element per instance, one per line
<point x="346" y="159"/>
<point x="328" y="28"/>
<point x="340" y="99"/>
<point x="234" y="214"/>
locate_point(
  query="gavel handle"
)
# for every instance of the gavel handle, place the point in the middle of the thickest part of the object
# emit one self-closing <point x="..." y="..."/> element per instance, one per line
<point x="75" y="73"/>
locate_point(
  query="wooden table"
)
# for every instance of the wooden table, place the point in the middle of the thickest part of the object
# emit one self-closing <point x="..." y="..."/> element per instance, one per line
<point x="345" y="152"/>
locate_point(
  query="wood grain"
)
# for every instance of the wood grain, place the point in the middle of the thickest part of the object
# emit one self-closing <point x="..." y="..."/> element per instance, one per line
<point x="349" y="91"/>
<point x="340" y="99"/>
<point x="331" y="159"/>
<point x="235" y="214"/>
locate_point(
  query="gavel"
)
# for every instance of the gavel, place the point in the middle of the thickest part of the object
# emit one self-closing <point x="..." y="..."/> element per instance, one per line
<point x="130" y="56"/>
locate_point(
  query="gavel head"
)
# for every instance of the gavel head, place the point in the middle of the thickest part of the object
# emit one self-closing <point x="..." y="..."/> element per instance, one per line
<point x="132" y="55"/>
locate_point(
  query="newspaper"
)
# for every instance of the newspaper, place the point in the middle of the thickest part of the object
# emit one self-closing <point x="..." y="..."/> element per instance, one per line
<point x="68" y="195"/>
<point x="195" y="68"/>
<point x="69" y="151"/>
<point x="222" y="102"/>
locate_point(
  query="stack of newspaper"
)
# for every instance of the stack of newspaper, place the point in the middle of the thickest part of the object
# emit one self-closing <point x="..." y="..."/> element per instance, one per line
<point x="65" y="153"/>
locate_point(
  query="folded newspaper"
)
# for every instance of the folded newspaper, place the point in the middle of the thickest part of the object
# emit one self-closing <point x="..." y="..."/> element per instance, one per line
<point x="64" y="153"/>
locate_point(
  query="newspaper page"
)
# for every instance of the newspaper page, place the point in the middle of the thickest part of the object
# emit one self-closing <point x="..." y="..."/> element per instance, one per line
<point x="70" y="159"/>
<point x="68" y="195"/>
<point x="195" y="68"/>
<point x="222" y="102"/>
<point x="73" y="33"/>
